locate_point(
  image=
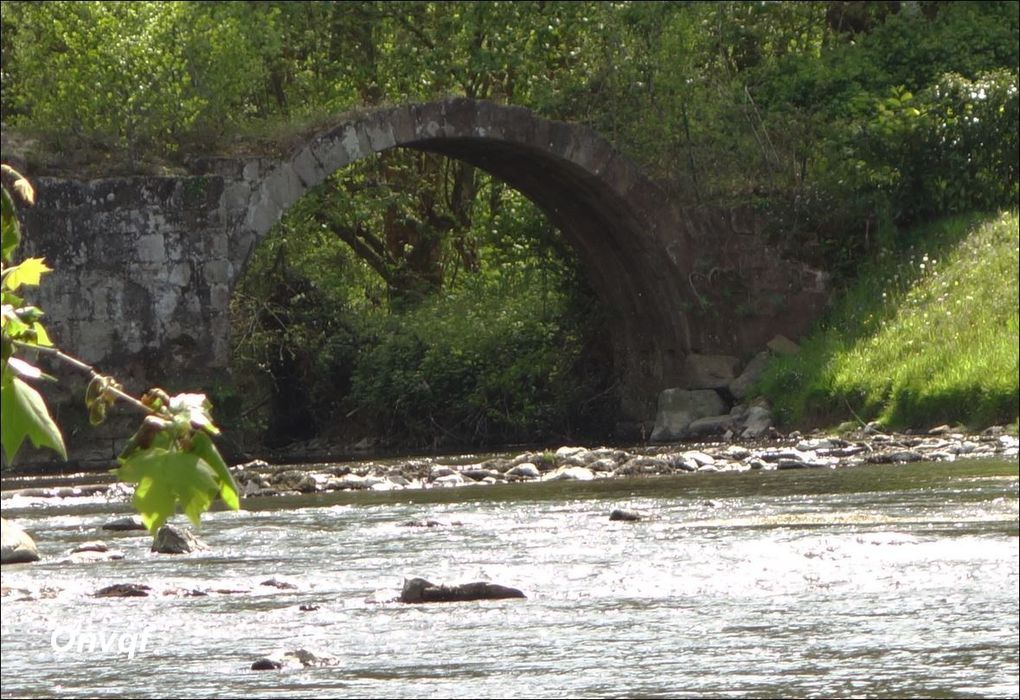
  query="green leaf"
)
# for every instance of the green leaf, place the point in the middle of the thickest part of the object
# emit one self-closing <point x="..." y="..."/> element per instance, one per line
<point x="154" y="502"/>
<point x="11" y="234"/>
<point x="203" y="446"/>
<point x="166" y="479"/>
<point x="11" y="301"/>
<point x="28" y="272"/>
<point x="14" y="327"/>
<point x="25" y="415"/>
<point x="19" y="184"/>
<point x="194" y="410"/>
<point x="29" y="314"/>
<point x="41" y="336"/>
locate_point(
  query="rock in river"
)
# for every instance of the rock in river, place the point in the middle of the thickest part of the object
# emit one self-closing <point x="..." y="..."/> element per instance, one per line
<point x="17" y="545"/>
<point x="172" y="540"/>
<point x="418" y="590"/>
<point x="131" y="522"/>
<point x="91" y="546"/>
<point x="299" y="658"/>
<point x="123" y="590"/>
<point x="94" y="551"/>
<point x="266" y="664"/>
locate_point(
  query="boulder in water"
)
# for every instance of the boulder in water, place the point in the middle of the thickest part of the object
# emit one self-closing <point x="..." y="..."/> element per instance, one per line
<point x="299" y="658"/>
<point x="172" y="540"/>
<point x="123" y="590"/>
<point x="266" y="664"/>
<point x="94" y="551"/>
<point x="91" y="546"/>
<point x="418" y="590"/>
<point x="131" y="522"/>
<point x="17" y="546"/>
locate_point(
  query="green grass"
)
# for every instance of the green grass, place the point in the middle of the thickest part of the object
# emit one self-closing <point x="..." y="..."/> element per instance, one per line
<point x="925" y="336"/>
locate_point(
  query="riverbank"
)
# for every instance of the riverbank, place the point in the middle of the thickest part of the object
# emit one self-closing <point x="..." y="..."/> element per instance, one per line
<point x="926" y="334"/>
<point x="869" y="445"/>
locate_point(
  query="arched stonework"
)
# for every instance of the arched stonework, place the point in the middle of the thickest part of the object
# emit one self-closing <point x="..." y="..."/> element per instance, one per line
<point x="145" y="265"/>
<point x="638" y="259"/>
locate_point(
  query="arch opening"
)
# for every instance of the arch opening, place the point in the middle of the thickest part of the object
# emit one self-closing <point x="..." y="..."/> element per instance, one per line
<point x="436" y="305"/>
<point x="632" y="249"/>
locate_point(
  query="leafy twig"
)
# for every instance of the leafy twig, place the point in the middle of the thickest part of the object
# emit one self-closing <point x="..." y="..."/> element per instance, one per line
<point x="78" y="364"/>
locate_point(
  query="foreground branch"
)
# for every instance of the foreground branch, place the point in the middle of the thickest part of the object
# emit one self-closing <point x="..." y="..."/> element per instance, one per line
<point x="93" y="374"/>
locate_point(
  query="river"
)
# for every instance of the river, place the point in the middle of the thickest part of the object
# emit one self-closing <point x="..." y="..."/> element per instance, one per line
<point x="871" y="581"/>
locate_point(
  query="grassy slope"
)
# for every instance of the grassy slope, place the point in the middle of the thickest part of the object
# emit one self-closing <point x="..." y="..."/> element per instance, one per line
<point x="919" y="339"/>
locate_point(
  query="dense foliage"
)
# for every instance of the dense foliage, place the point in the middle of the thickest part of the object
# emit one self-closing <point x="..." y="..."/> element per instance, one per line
<point x="390" y="296"/>
<point x="806" y="103"/>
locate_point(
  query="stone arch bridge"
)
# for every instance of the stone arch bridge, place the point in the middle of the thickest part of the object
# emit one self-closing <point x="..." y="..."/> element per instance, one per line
<point x="145" y="266"/>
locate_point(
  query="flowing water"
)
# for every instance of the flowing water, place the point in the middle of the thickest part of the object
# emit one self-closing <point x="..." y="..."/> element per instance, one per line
<point x="891" y="581"/>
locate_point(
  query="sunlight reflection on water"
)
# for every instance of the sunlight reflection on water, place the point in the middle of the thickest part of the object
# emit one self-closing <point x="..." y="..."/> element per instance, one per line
<point x="872" y="581"/>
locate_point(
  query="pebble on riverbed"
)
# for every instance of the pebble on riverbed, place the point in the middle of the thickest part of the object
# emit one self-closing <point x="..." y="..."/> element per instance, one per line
<point x="94" y="551"/>
<point x="430" y="523"/>
<point x="299" y="658"/>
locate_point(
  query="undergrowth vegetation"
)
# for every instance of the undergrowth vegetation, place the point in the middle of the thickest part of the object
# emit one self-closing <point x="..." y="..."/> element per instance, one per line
<point x="927" y="334"/>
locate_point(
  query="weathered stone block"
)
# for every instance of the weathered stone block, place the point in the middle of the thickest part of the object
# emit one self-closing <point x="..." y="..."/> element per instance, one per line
<point x="756" y="423"/>
<point x="307" y="168"/>
<point x="781" y="345"/>
<point x="355" y="143"/>
<point x="710" y="371"/>
<point x="236" y="197"/>
<point x="284" y="187"/>
<point x="218" y="271"/>
<point x="678" y="408"/>
<point x="262" y="216"/>
<point x="740" y="386"/>
<point x="710" y="426"/>
<point x="380" y="137"/>
<point x="330" y="152"/>
<point x="151" y="248"/>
